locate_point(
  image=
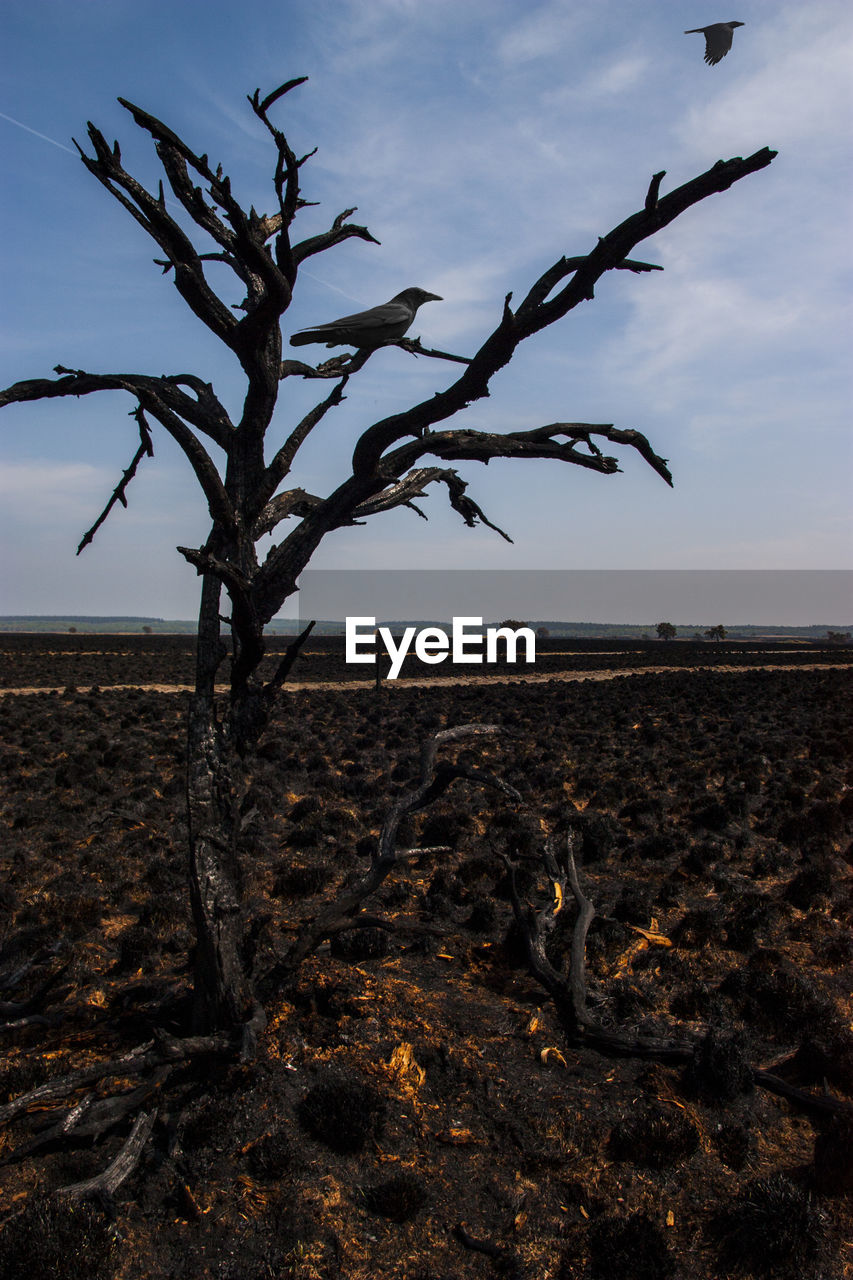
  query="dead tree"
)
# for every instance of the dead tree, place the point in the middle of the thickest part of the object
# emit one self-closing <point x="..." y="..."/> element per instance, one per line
<point x="249" y="497"/>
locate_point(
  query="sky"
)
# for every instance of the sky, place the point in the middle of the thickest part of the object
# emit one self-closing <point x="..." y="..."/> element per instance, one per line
<point x="480" y="142"/>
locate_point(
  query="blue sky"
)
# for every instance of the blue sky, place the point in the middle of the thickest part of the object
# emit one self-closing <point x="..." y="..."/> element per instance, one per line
<point x="480" y="142"/>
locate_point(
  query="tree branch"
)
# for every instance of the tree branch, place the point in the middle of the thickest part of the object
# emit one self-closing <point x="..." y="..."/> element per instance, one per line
<point x="154" y="1053"/>
<point x="343" y="912"/>
<point x="157" y="396"/>
<point x="205" y="411"/>
<point x="295" y="502"/>
<point x="286" y="180"/>
<point x="355" y="496"/>
<point x="565" y="267"/>
<point x="536" y="313"/>
<point x="339" y="231"/>
<point x="146" y="449"/>
<point x="538" y="442"/>
<point x="415" y="348"/>
<point x="242" y="240"/>
<point x="280" y="465"/>
<point x="150" y="212"/>
<point x="284" y="668"/>
<point x="109" y="1181"/>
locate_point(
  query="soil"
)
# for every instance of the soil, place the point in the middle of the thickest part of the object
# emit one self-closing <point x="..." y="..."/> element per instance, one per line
<point x="415" y="1110"/>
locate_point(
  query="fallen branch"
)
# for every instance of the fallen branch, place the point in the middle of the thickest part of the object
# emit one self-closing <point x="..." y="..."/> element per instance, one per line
<point x="569" y="993"/>
<point x="108" y="1182"/>
<point x="154" y="1053"/>
<point x="91" y="1118"/>
<point x="343" y="912"/>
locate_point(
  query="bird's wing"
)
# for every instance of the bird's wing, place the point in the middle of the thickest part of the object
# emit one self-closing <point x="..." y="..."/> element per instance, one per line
<point x="389" y="313"/>
<point x="718" y="41"/>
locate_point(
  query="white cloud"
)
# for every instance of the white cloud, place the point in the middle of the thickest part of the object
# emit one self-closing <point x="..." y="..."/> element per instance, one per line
<point x="42" y="488"/>
<point x="542" y="34"/>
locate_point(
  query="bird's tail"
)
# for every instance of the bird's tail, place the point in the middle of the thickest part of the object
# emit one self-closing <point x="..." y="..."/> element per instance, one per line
<point x="302" y="339"/>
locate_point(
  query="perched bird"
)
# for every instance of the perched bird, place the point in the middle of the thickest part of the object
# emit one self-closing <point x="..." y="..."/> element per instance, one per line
<point x="369" y="328"/>
<point x="718" y="39"/>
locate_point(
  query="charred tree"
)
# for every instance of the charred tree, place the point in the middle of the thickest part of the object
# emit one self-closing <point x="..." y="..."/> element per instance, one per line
<point x="249" y="497"/>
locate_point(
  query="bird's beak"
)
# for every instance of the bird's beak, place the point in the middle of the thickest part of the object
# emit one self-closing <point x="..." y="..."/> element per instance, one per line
<point x="433" y="297"/>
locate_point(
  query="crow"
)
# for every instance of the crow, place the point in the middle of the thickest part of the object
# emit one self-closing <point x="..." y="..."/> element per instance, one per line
<point x="718" y="39"/>
<point x="369" y="328"/>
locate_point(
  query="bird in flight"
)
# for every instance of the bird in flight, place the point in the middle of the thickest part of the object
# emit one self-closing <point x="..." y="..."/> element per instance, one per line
<point x="369" y="328"/>
<point x="718" y="39"/>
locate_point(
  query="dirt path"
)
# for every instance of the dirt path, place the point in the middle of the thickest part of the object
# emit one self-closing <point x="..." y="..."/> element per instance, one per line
<point x="441" y="681"/>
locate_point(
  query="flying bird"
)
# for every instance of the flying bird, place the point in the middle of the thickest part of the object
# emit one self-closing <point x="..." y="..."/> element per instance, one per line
<point x="369" y="328"/>
<point x="718" y="39"/>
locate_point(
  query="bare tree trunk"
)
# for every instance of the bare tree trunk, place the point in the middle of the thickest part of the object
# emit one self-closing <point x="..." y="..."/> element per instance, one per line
<point x="223" y="998"/>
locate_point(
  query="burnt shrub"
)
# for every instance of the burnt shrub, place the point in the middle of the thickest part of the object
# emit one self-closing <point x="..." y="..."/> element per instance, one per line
<point x="207" y="1127"/>
<point x="660" y="844"/>
<point x="836" y="949"/>
<point x="771" y="1228"/>
<point x="445" y="828"/>
<point x="643" y="811"/>
<point x="593" y="836"/>
<point x="708" y="815"/>
<point x="772" y="859"/>
<point x="342" y="1114"/>
<point x="271" y="1157"/>
<point x="20" y="1077"/>
<point x="608" y="795"/>
<point x="720" y="1070"/>
<point x="398" y="1198"/>
<point x="827" y="1054"/>
<point x="634" y="904"/>
<point x="700" y="858"/>
<point x="360" y="944"/>
<point x="818" y="826"/>
<point x="654" y="1139"/>
<point x="633" y="1246"/>
<point x="694" y="1002"/>
<point x="697" y="926"/>
<point x="513" y="948"/>
<point x="483" y="917"/>
<point x="606" y="938"/>
<point x="754" y="915"/>
<point x="298" y="880"/>
<point x="137" y="945"/>
<point x="8" y="898"/>
<point x="525" y="881"/>
<point x="777" y="995"/>
<point x="833" y="1166"/>
<point x="447" y="885"/>
<point x="810" y="884"/>
<point x="57" y="1239"/>
<point x="733" y="1143"/>
<point x="633" y="1000"/>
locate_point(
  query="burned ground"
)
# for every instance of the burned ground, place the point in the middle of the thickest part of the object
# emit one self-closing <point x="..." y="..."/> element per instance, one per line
<point x="415" y="1110"/>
